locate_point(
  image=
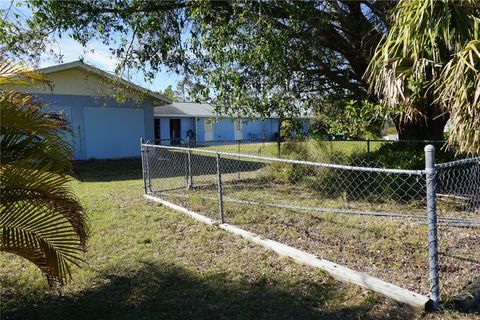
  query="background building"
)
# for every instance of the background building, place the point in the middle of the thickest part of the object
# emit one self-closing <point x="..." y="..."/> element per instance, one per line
<point x="180" y="122"/>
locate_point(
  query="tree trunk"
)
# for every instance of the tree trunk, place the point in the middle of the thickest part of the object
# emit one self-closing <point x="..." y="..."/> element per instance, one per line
<point x="429" y="127"/>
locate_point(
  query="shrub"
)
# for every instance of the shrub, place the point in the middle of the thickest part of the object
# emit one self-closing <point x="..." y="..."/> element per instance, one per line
<point x="356" y="185"/>
<point x="406" y="155"/>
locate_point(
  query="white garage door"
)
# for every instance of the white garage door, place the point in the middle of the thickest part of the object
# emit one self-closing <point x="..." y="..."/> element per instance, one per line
<point x="113" y="132"/>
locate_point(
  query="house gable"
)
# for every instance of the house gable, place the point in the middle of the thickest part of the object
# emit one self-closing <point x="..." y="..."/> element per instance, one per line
<point x="80" y="79"/>
<point x="68" y="82"/>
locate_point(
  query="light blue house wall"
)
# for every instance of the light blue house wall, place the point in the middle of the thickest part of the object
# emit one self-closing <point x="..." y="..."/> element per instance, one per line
<point x="258" y="129"/>
<point x="200" y="129"/>
<point x="306" y="126"/>
<point x="165" y="131"/>
<point x="186" y="125"/>
<point x="273" y="126"/>
<point x="223" y="129"/>
<point x="101" y="127"/>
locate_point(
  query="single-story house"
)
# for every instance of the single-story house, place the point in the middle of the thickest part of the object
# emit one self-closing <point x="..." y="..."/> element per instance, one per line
<point x="105" y="128"/>
<point x="102" y="127"/>
<point x="184" y="122"/>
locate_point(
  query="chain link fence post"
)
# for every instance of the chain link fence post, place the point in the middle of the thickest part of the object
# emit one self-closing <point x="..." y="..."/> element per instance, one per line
<point x="431" y="180"/>
<point x="238" y="151"/>
<point x="189" y="170"/>
<point x="142" y="154"/>
<point x="220" y="193"/>
<point x="368" y="149"/>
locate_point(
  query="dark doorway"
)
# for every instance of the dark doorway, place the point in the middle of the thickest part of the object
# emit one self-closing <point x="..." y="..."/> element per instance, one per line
<point x="156" y="129"/>
<point x="175" y="128"/>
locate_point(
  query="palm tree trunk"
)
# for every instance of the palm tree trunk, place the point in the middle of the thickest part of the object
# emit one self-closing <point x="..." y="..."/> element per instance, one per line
<point x="429" y="127"/>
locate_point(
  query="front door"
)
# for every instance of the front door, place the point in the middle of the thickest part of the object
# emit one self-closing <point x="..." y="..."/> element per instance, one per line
<point x="208" y="125"/>
<point x="238" y="127"/>
<point x="156" y="123"/>
<point x="175" y="131"/>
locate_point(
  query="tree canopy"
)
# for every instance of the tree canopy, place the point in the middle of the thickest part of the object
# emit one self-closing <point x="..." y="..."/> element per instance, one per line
<point x="262" y="56"/>
<point x="169" y="93"/>
<point x="259" y="56"/>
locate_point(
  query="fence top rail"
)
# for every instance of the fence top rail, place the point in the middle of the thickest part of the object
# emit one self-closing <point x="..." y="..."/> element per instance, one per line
<point x="457" y="163"/>
<point x="250" y="140"/>
<point x="381" y="140"/>
<point x="310" y="163"/>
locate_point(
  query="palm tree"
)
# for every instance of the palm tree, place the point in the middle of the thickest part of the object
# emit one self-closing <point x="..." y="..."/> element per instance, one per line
<point x="40" y="218"/>
<point x="459" y="92"/>
<point x="426" y="70"/>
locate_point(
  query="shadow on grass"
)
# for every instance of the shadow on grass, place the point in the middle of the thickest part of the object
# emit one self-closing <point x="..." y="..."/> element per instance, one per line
<point x="107" y="170"/>
<point x="166" y="165"/>
<point x="165" y="291"/>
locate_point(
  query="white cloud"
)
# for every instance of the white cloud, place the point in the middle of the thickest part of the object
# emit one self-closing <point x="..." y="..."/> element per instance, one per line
<point x="95" y="53"/>
<point x="102" y="59"/>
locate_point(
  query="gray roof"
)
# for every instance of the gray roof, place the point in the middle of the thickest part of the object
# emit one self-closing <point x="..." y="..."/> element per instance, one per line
<point x="186" y="109"/>
<point x="192" y="109"/>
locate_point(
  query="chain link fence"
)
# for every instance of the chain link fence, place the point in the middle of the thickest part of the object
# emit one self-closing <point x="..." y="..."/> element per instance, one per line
<point x="368" y="218"/>
<point x="357" y="152"/>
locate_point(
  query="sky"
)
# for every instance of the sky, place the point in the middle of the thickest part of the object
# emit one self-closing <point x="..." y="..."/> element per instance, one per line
<point x="96" y="54"/>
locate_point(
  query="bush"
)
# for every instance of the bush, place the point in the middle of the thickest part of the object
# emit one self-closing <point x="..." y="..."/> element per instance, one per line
<point x="321" y="180"/>
<point x="405" y="155"/>
<point x="394" y="155"/>
<point x="315" y="151"/>
<point x="356" y="185"/>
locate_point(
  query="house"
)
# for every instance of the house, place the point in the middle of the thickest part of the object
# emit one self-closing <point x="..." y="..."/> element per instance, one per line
<point x="102" y="127"/>
<point x="186" y="122"/>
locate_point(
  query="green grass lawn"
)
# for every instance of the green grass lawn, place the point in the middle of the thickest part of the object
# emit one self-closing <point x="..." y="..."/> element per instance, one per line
<point x="264" y="149"/>
<point x="147" y="262"/>
<point x="322" y="150"/>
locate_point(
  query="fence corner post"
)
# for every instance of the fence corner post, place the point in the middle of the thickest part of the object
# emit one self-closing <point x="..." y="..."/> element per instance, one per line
<point x="142" y="155"/>
<point x="431" y="181"/>
<point x="220" y="192"/>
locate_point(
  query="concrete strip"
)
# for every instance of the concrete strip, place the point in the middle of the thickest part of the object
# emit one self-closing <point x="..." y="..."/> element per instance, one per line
<point x="335" y="270"/>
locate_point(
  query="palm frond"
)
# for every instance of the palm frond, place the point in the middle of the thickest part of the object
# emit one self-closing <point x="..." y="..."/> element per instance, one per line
<point x="29" y="133"/>
<point x="459" y="91"/>
<point x="411" y="64"/>
<point x="40" y="218"/>
<point x="13" y="73"/>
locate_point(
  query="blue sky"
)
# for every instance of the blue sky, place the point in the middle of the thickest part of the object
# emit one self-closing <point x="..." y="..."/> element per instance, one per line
<point x="95" y="53"/>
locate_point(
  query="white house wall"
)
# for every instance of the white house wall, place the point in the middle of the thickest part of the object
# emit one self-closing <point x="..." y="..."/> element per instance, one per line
<point x="73" y="81"/>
